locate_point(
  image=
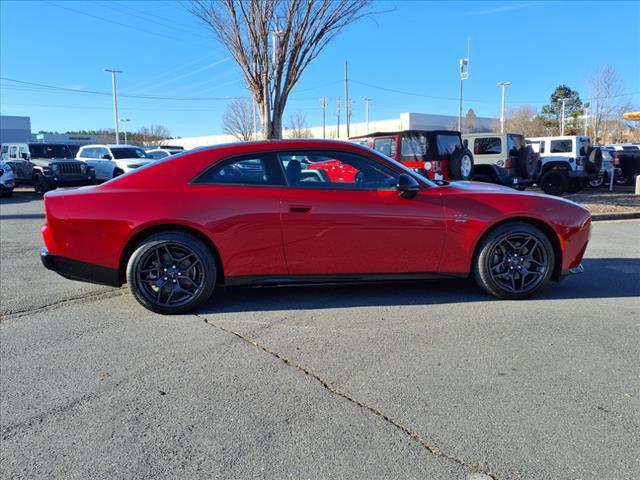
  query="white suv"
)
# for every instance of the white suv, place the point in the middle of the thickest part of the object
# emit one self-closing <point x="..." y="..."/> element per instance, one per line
<point x="113" y="160"/>
<point x="566" y="163"/>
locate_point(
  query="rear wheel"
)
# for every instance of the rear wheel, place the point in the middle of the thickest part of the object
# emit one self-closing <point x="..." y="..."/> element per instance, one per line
<point x="554" y="182"/>
<point x="514" y="261"/>
<point x="461" y="164"/>
<point x="171" y="273"/>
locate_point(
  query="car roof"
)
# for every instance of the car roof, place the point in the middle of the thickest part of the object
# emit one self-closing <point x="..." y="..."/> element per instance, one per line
<point x="110" y="145"/>
<point x="396" y="132"/>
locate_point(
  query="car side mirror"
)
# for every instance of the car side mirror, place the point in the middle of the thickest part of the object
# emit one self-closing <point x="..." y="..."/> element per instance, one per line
<point x="106" y="156"/>
<point x="24" y="156"/>
<point x="407" y="186"/>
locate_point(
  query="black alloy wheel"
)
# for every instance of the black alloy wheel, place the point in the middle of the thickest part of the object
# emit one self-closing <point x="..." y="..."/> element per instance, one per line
<point x="514" y="261"/>
<point x="171" y="273"/>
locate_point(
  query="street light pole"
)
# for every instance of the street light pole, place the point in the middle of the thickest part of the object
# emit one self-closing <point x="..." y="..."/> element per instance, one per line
<point x="323" y="105"/>
<point x="464" y="75"/>
<point x="563" y="100"/>
<point x="115" y="99"/>
<point x="124" y="121"/>
<point x="366" y="110"/>
<point x="504" y="86"/>
<point x="586" y="121"/>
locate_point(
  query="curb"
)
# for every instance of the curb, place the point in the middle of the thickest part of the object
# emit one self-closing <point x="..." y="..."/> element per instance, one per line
<point x="600" y="217"/>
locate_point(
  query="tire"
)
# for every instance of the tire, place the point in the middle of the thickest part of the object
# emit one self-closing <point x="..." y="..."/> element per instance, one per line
<point x="40" y="185"/>
<point x="176" y="260"/>
<point x="513" y="273"/>
<point x="461" y="164"/>
<point x="554" y="182"/>
<point x="482" y="178"/>
<point x="593" y="163"/>
<point x="597" y="182"/>
<point x="527" y="162"/>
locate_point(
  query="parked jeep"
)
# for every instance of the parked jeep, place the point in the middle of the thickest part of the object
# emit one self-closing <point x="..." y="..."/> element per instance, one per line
<point x="502" y="158"/>
<point x="566" y="163"/>
<point x="627" y="158"/>
<point x="46" y="166"/>
<point x="436" y="154"/>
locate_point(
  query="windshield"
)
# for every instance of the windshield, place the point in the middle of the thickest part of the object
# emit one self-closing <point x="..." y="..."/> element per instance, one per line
<point x="44" y="150"/>
<point x="128" y="152"/>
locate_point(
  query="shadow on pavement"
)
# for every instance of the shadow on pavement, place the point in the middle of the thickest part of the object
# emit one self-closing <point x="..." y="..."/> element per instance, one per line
<point x="19" y="197"/>
<point x="22" y="216"/>
<point x="603" y="278"/>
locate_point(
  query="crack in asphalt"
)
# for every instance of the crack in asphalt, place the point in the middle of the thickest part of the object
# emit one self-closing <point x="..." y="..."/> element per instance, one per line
<point x="334" y="390"/>
<point x="84" y="298"/>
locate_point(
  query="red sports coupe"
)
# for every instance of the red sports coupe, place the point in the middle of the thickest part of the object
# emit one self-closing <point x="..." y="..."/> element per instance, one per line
<point x="268" y="213"/>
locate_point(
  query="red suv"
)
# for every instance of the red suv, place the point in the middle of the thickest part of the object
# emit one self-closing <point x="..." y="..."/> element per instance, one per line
<point x="435" y="154"/>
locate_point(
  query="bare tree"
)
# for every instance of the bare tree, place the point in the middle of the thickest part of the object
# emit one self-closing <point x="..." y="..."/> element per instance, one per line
<point x="238" y="119"/>
<point x="296" y="126"/>
<point x="525" y="119"/>
<point x="470" y="121"/>
<point x="273" y="42"/>
<point x="607" y="101"/>
<point x="152" y="134"/>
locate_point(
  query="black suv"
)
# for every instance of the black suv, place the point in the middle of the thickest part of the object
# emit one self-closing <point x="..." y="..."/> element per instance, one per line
<point x="46" y="166"/>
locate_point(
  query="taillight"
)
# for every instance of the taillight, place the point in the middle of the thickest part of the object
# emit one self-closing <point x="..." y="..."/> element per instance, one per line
<point x="509" y="163"/>
<point x="616" y="160"/>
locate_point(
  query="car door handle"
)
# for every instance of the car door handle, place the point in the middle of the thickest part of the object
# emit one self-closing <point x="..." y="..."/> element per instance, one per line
<point x="299" y="209"/>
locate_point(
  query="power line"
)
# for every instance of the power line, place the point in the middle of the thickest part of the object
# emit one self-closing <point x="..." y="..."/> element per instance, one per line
<point x="94" y="92"/>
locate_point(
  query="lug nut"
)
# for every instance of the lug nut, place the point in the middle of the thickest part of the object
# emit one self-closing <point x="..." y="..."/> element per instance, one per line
<point x="166" y="278"/>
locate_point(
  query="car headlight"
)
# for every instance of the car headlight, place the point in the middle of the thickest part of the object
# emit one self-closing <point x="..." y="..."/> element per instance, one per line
<point x="55" y="168"/>
<point x="83" y="167"/>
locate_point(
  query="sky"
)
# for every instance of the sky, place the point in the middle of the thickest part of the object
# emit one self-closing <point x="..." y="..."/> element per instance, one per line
<point x="405" y="58"/>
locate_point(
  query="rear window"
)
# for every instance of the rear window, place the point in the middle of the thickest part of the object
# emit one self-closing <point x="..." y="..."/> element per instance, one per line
<point x="447" y="144"/>
<point x="631" y="148"/>
<point x="514" y="144"/>
<point x="561" y="146"/>
<point x="387" y="146"/>
<point x="414" y="146"/>
<point x="487" y="146"/>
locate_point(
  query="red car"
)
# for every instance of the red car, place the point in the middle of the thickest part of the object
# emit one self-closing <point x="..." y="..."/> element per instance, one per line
<point x="253" y="213"/>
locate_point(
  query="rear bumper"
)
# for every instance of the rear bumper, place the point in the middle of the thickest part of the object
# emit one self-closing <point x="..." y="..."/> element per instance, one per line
<point x="76" y="270"/>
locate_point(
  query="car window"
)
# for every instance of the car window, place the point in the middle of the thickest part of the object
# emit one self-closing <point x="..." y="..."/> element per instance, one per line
<point x="447" y="144"/>
<point x="87" y="153"/>
<point x="128" y="152"/>
<point x="561" y="146"/>
<point x="584" y="143"/>
<point x="14" y="152"/>
<point x="333" y="170"/>
<point x="247" y="170"/>
<point x="487" y="146"/>
<point x="514" y="144"/>
<point x="23" y="151"/>
<point x="157" y="155"/>
<point x="630" y="148"/>
<point x="385" y="145"/>
<point x="414" y="146"/>
<point x="4" y="153"/>
<point x="100" y="152"/>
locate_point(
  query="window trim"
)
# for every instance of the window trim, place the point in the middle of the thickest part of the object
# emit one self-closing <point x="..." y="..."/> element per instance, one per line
<point x="265" y="156"/>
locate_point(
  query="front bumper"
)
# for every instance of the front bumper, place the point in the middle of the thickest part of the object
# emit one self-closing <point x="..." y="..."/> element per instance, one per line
<point x="70" y="181"/>
<point x="77" y="270"/>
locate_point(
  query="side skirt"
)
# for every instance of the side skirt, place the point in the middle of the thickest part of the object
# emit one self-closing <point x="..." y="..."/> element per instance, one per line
<point x="336" y="278"/>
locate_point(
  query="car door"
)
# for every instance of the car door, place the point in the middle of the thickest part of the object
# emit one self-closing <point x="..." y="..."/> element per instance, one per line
<point x="359" y="225"/>
<point x="20" y="166"/>
<point x="238" y="199"/>
<point x="93" y="156"/>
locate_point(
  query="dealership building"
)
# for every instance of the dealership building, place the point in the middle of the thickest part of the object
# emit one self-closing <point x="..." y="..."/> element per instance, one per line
<point x="406" y="121"/>
<point x="18" y="129"/>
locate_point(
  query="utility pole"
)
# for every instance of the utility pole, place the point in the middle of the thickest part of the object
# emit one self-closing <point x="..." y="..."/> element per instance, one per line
<point x="115" y="99"/>
<point x="504" y="86"/>
<point x="464" y="75"/>
<point x="366" y="110"/>
<point x="347" y="105"/>
<point x="338" y="103"/>
<point x="563" y="100"/>
<point x="124" y="121"/>
<point x="323" y="105"/>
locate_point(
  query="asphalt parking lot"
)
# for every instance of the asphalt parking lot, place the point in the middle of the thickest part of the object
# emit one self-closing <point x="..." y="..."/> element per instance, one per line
<point x="420" y="380"/>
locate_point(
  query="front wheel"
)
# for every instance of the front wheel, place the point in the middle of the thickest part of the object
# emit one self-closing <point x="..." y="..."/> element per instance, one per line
<point x="514" y="261"/>
<point x="40" y="184"/>
<point x="171" y="273"/>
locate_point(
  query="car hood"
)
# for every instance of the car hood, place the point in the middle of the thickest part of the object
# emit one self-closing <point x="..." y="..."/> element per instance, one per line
<point x="138" y="161"/>
<point x="491" y="188"/>
<point x="53" y="160"/>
